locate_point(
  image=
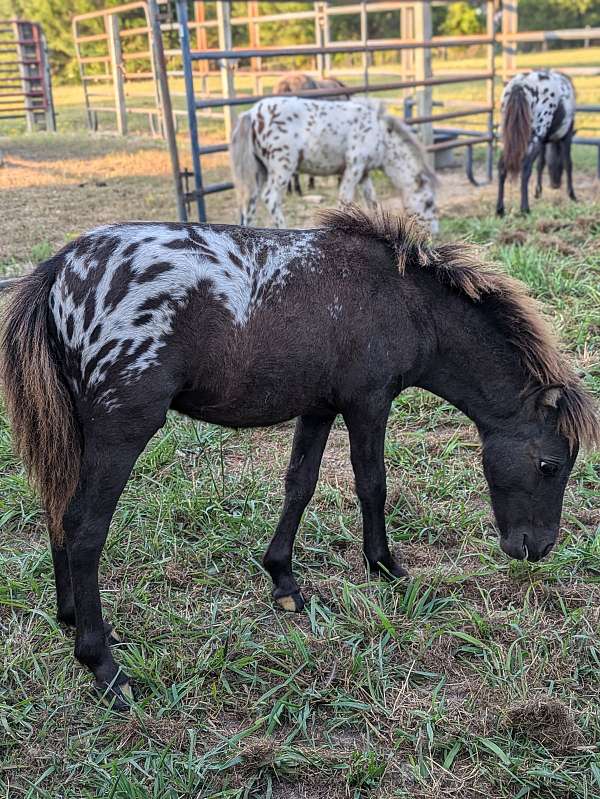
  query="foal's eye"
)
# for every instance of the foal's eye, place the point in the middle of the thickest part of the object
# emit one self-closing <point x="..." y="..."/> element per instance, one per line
<point x="429" y="205"/>
<point x="548" y="468"/>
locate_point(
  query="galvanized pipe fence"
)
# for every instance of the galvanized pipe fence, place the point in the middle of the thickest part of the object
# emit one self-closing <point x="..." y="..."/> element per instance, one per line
<point x="25" y="82"/>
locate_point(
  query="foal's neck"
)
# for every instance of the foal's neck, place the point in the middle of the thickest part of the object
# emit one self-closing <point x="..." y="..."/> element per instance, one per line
<point x="473" y="365"/>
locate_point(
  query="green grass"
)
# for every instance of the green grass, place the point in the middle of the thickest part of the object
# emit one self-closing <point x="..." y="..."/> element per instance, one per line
<point x="478" y="677"/>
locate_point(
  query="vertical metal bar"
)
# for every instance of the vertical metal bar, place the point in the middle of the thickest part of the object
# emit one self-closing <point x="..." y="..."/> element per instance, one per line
<point x="158" y="94"/>
<point x="19" y="35"/>
<point x="226" y="43"/>
<point x="165" y="105"/>
<point x="254" y="38"/>
<point x="84" y="82"/>
<point x="423" y="32"/>
<point x="184" y="38"/>
<point x="47" y="79"/>
<point x="116" y="63"/>
<point x="322" y="37"/>
<point x="491" y="88"/>
<point x="364" y="35"/>
<point x="510" y="24"/>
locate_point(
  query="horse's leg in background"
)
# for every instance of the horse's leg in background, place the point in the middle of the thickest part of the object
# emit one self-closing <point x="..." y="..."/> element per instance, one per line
<point x="301" y="478"/>
<point x="111" y="447"/>
<point x="297" y="184"/>
<point x="368" y="191"/>
<point x="533" y="150"/>
<point x="273" y="194"/>
<point x="350" y="180"/>
<point x="311" y="182"/>
<point x="540" y="170"/>
<point x="366" y="427"/>
<point x="501" y="181"/>
<point x="249" y="209"/>
<point x="566" y="152"/>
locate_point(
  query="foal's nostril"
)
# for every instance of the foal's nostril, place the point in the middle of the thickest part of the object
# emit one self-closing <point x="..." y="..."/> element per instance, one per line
<point x="546" y="549"/>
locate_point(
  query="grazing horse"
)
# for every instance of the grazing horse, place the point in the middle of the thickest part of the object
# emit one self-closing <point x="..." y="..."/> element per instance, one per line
<point x="280" y="136"/>
<point x="538" y="115"/>
<point x="249" y="327"/>
<point x="297" y="82"/>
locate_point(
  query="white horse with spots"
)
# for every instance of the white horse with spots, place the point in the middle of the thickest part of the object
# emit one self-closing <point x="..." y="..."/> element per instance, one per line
<point x="280" y="136"/>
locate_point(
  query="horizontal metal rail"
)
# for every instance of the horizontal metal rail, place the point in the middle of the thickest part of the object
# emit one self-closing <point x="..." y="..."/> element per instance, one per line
<point x="300" y="49"/>
<point x="324" y="93"/>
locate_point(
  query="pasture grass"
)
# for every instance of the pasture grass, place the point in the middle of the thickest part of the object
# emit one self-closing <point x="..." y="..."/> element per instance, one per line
<point x="478" y="677"/>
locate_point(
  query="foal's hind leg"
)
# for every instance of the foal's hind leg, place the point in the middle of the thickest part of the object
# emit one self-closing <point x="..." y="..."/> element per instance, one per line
<point x="65" y="603"/>
<point x="111" y="447"/>
<point x="366" y="428"/>
<point x="307" y="450"/>
<point x="566" y="153"/>
<point x="540" y="170"/>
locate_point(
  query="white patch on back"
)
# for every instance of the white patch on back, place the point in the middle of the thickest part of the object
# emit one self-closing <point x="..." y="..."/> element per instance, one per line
<point x="265" y="260"/>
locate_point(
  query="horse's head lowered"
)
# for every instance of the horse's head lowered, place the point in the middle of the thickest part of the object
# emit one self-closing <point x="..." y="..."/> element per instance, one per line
<point x="527" y="472"/>
<point x="406" y="166"/>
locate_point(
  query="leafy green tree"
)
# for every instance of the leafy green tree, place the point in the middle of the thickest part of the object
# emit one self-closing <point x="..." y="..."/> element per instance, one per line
<point x="462" y="19"/>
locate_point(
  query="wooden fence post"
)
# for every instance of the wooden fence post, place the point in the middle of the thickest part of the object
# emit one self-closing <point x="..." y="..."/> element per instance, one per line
<point x="227" y="67"/>
<point x="423" y="32"/>
<point x="510" y="24"/>
<point x="116" y="64"/>
<point x="407" y="27"/>
<point x="322" y="37"/>
<point x="254" y="37"/>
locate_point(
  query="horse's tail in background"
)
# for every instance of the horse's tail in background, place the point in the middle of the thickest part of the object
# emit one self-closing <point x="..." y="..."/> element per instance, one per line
<point x="554" y="159"/>
<point x="248" y="171"/>
<point x="516" y="129"/>
<point x="45" y="431"/>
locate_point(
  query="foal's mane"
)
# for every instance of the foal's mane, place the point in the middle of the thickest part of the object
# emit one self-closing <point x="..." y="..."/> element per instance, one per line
<point x="516" y="313"/>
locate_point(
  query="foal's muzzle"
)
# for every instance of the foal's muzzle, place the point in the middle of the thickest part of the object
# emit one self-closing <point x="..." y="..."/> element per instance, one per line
<point x="521" y="546"/>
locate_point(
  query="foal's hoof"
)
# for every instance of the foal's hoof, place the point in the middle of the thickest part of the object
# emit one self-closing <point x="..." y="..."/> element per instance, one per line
<point x="389" y="571"/>
<point x="293" y="602"/>
<point x="117" y="697"/>
<point x="112" y="639"/>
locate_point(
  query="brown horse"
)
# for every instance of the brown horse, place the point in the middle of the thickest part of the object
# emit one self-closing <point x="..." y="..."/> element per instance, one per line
<point x="245" y="327"/>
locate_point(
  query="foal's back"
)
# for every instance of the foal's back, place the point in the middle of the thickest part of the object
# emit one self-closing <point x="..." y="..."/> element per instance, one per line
<point x="241" y="326"/>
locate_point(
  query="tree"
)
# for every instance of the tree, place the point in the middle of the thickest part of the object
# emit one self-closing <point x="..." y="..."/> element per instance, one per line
<point x="461" y="20"/>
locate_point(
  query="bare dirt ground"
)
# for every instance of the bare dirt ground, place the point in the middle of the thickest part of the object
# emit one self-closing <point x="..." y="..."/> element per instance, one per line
<point x="54" y="188"/>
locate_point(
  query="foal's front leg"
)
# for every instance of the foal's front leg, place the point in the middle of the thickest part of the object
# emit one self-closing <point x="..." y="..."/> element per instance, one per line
<point x="301" y="478"/>
<point x="540" y="171"/>
<point x="366" y="428"/>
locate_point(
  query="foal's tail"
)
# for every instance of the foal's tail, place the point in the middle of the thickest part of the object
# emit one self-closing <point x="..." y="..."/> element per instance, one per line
<point x="516" y="129"/>
<point x="45" y="432"/>
<point x="246" y="168"/>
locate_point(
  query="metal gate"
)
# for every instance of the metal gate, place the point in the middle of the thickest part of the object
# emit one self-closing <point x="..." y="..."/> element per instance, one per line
<point x="25" y="86"/>
<point x="415" y="48"/>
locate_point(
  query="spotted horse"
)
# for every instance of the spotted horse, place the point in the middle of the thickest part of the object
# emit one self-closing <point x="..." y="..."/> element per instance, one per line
<point x="245" y="327"/>
<point x="280" y="136"/>
<point x="538" y="121"/>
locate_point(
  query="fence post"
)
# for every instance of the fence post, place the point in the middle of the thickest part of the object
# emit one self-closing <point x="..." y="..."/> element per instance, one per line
<point x="116" y="65"/>
<point x="19" y="34"/>
<point x="364" y="37"/>
<point x="322" y="37"/>
<point x="407" y="25"/>
<point x="158" y="53"/>
<point x="226" y="43"/>
<point x="510" y="24"/>
<point x="47" y="79"/>
<point x="491" y="92"/>
<point x="254" y="38"/>
<point x="423" y="30"/>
